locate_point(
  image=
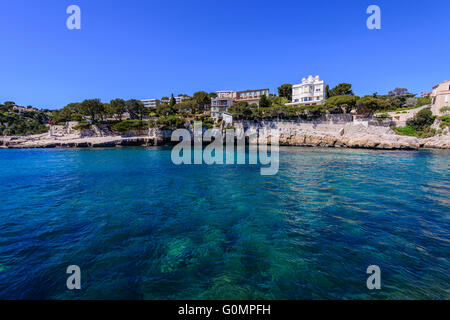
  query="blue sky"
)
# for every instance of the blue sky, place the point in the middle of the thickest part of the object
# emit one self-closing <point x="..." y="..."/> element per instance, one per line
<point x="149" y="49"/>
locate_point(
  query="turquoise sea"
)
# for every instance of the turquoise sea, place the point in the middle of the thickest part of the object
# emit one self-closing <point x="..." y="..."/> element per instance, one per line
<point x="140" y="227"/>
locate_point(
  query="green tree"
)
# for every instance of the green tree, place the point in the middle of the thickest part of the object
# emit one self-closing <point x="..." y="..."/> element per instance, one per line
<point x="285" y="91"/>
<point x="184" y="106"/>
<point x="201" y="99"/>
<point x="172" y="101"/>
<point x="212" y="95"/>
<point x="71" y="112"/>
<point x="398" y="98"/>
<point x="264" y="102"/>
<point x="342" y="89"/>
<point x="92" y="108"/>
<point x="119" y="107"/>
<point x="342" y="103"/>
<point x="170" y="122"/>
<point x="108" y="110"/>
<point x="327" y="92"/>
<point x="368" y="105"/>
<point x="164" y="110"/>
<point x="398" y="92"/>
<point x="9" y="104"/>
<point x="241" y="110"/>
<point x="135" y="108"/>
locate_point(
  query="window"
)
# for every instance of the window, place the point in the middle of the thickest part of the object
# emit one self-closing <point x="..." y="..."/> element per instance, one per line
<point x="446" y="98"/>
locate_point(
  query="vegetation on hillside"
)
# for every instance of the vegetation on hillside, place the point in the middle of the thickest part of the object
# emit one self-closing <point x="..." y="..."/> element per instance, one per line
<point x="445" y="122"/>
<point x="19" y="123"/>
<point x="171" y="115"/>
<point x="419" y="126"/>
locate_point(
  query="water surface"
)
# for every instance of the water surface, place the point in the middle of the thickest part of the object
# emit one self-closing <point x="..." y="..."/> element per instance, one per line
<point x="142" y="228"/>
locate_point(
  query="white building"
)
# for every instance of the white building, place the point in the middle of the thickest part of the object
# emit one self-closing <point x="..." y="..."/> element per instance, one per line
<point x="177" y="100"/>
<point x="151" y="103"/>
<point x="226" y="94"/>
<point x="312" y="91"/>
<point x="180" y="99"/>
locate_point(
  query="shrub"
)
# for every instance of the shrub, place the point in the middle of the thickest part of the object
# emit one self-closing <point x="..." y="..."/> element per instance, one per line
<point x="410" y="131"/>
<point x="422" y="119"/>
<point x="427" y="132"/>
<point x="383" y="116"/>
<point x="81" y="126"/>
<point x="170" y="122"/>
<point x="423" y="101"/>
<point x="126" y="125"/>
<point x="405" y="131"/>
<point x="445" y="121"/>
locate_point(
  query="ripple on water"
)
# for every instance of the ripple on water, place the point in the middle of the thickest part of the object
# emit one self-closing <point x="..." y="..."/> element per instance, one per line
<point x="142" y="228"/>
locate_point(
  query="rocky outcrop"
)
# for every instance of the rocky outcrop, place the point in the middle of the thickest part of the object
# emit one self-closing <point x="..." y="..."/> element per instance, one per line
<point x="337" y="134"/>
<point x="437" y="142"/>
<point x="90" y="142"/>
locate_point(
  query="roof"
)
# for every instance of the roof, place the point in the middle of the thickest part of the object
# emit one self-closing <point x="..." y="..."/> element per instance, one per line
<point x="446" y="81"/>
<point x="253" y="90"/>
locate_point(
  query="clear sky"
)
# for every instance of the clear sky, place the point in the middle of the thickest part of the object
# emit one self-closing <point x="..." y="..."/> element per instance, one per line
<point x="149" y="49"/>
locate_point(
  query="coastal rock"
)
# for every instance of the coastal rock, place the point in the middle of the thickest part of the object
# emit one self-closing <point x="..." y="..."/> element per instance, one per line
<point x="337" y="133"/>
<point x="438" y="142"/>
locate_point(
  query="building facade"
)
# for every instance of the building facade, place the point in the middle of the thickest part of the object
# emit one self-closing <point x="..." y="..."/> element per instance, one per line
<point x="180" y="99"/>
<point x="251" y="96"/>
<point x="440" y="97"/>
<point x="221" y="103"/>
<point x="151" y="103"/>
<point x="312" y="91"/>
<point x="167" y="100"/>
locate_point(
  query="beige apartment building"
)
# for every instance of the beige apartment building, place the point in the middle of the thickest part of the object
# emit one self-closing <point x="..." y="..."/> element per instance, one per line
<point x="251" y="96"/>
<point x="220" y="104"/>
<point x="440" y="97"/>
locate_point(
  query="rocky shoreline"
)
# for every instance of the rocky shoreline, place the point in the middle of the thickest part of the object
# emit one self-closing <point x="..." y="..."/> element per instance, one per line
<point x="307" y="134"/>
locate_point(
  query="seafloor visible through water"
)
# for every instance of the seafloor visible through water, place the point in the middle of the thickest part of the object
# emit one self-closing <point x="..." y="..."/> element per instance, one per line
<point x="141" y="227"/>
